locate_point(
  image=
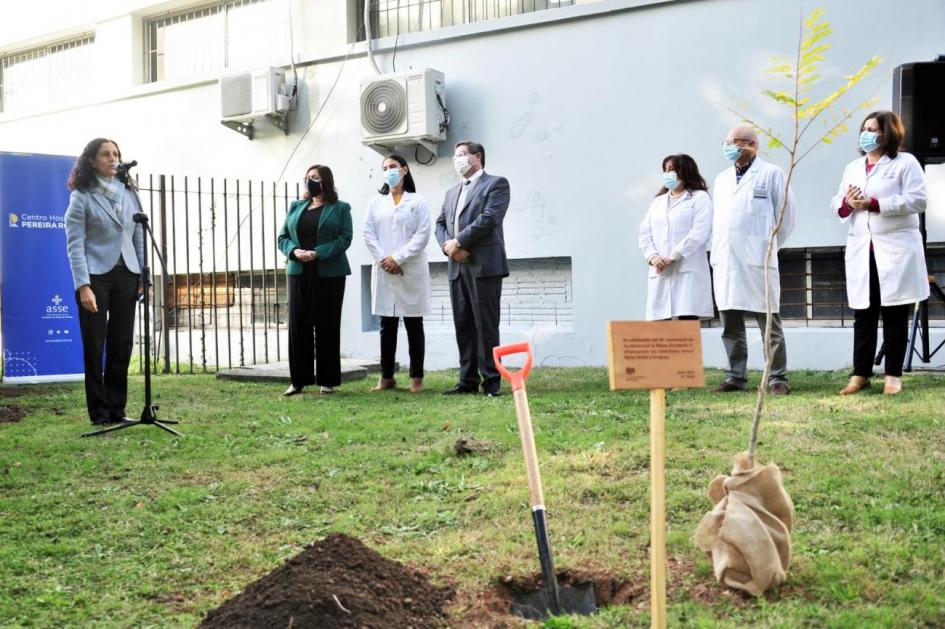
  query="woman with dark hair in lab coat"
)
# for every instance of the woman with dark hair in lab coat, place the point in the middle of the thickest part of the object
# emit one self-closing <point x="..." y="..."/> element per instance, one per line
<point x="881" y="196"/>
<point x="396" y="232"/>
<point x="673" y="238"/>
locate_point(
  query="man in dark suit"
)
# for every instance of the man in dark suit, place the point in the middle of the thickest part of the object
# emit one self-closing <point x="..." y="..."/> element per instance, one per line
<point x="469" y="230"/>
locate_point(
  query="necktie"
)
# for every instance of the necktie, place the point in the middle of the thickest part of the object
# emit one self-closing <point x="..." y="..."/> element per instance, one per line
<point x="460" y="206"/>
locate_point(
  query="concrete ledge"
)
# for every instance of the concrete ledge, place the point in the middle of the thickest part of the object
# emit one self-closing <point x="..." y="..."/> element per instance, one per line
<point x="351" y="369"/>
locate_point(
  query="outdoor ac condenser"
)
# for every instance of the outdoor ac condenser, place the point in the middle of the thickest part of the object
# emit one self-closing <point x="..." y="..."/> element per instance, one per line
<point x="247" y="96"/>
<point x="404" y="108"/>
<point x="253" y="94"/>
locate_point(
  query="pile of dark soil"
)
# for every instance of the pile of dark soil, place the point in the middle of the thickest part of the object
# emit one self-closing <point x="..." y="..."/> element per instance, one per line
<point x="12" y="413"/>
<point x="336" y="582"/>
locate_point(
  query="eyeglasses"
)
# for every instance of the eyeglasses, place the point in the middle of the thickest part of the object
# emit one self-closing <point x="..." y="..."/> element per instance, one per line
<point x="740" y="141"/>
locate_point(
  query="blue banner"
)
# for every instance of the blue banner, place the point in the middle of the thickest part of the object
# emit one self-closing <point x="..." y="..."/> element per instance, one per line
<point x="40" y="322"/>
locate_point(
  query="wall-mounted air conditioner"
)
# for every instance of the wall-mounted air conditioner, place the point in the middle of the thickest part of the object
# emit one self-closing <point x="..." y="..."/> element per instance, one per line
<point x="248" y="96"/>
<point x="404" y="108"/>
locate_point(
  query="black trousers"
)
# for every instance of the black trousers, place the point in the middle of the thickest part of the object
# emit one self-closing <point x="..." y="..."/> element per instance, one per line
<point x="315" y="328"/>
<point x="107" y="339"/>
<point x="895" y="332"/>
<point x="475" y="304"/>
<point x="415" y="342"/>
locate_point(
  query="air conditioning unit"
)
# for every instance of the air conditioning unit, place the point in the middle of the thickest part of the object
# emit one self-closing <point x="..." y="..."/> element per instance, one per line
<point x="404" y="108"/>
<point x="248" y="96"/>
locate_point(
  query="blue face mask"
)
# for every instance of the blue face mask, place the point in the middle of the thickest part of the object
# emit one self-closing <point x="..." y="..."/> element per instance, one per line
<point x="868" y="141"/>
<point x="670" y="180"/>
<point x="392" y="177"/>
<point x="731" y="151"/>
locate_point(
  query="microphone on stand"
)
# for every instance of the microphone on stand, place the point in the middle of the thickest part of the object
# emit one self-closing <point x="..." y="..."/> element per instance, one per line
<point x="122" y="170"/>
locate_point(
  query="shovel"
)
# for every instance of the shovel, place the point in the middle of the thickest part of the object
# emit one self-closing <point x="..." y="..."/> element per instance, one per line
<point x="552" y="599"/>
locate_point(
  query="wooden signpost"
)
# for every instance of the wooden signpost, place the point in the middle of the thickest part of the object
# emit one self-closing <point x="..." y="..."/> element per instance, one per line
<point x="656" y="355"/>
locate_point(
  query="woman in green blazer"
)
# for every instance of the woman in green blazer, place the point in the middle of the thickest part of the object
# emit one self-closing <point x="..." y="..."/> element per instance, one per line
<point x="314" y="238"/>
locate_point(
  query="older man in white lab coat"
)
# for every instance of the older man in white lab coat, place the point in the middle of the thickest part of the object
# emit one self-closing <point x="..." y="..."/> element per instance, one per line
<point x="747" y="198"/>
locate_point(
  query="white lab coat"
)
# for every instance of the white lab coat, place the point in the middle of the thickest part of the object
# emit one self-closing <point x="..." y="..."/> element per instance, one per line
<point x="402" y="232"/>
<point x="744" y="214"/>
<point x="680" y="232"/>
<point x="899" y="186"/>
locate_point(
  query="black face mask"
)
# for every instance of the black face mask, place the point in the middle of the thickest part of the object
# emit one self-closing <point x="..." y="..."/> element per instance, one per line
<point x="314" y="187"/>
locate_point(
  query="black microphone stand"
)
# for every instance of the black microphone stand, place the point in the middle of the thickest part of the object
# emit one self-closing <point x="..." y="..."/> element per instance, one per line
<point x="149" y="414"/>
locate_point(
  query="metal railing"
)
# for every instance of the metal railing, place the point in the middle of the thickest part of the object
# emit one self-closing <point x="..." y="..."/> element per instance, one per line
<point x="814" y="290"/>
<point x="45" y="76"/>
<point x="398" y="17"/>
<point x="222" y="302"/>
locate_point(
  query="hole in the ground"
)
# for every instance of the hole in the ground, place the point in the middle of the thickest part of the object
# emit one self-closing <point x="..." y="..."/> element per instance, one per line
<point x="522" y="594"/>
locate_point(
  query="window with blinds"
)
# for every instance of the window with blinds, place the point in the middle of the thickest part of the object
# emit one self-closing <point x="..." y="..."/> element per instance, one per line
<point x="47" y="76"/>
<point x="239" y="34"/>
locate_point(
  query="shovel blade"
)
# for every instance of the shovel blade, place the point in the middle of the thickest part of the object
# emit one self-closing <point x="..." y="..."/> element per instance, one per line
<point x="578" y="599"/>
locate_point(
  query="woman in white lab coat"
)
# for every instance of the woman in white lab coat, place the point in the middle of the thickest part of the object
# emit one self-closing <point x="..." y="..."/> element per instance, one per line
<point x="880" y="198"/>
<point x="396" y="232"/>
<point x="673" y="239"/>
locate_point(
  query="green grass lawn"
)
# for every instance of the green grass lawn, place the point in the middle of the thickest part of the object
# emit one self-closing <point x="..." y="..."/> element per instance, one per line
<point x="140" y="528"/>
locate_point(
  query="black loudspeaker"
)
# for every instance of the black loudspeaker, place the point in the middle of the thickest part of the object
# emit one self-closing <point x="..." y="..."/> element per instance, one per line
<point x="919" y="99"/>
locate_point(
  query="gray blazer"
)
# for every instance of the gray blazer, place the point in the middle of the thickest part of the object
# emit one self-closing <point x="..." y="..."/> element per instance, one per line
<point x="480" y="226"/>
<point x="96" y="237"/>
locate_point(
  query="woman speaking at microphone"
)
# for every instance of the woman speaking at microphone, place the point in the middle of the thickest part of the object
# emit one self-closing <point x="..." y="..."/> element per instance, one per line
<point x="315" y="236"/>
<point x="106" y="249"/>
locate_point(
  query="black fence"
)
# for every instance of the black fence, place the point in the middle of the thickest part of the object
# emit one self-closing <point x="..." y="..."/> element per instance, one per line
<point x="222" y="301"/>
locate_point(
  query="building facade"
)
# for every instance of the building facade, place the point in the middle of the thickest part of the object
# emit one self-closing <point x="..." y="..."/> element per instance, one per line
<point x="576" y="104"/>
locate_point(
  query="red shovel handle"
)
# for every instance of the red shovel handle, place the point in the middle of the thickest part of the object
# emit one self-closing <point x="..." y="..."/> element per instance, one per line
<point x="516" y="378"/>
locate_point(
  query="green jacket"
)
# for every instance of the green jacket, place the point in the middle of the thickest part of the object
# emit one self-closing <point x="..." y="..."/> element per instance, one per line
<point x="334" y="238"/>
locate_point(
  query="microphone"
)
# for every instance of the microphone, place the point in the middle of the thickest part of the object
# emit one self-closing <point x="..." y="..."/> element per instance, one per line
<point x="124" y="167"/>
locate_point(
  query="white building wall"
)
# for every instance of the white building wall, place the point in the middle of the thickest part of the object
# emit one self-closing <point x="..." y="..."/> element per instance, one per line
<point x="576" y="106"/>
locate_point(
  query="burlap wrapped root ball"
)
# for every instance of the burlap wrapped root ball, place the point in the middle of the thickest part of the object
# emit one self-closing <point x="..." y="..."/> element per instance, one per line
<point x="748" y="533"/>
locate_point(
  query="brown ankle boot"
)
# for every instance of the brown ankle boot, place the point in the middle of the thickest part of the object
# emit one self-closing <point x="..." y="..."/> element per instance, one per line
<point x="856" y="383"/>
<point x="416" y="385"/>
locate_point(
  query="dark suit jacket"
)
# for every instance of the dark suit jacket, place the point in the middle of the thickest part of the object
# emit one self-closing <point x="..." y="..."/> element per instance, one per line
<point x="480" y="226"/>
<point x="334" y="238"/>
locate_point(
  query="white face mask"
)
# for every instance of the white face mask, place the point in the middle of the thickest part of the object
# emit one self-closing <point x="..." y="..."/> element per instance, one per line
<point x="461" y="164"/>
